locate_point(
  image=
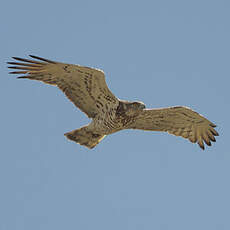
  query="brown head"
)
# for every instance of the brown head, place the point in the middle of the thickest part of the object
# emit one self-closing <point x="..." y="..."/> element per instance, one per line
<point x="130" y="108"/>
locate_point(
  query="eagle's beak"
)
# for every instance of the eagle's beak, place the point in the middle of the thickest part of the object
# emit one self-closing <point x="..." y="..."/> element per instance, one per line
<point x="143" y="106"/>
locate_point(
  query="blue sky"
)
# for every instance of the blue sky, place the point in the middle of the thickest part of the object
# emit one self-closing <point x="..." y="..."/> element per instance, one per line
<point x="163" y="53"/>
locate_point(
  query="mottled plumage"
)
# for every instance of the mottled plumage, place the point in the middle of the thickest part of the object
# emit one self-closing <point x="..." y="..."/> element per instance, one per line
<point x="87" y="89"/>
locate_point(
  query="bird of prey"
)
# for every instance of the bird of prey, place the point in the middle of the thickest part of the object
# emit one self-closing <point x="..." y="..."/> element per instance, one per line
<point x="87" y="89"/>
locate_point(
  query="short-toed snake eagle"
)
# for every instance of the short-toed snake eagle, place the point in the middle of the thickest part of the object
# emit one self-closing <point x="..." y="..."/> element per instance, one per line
<point x="87" y="89"/>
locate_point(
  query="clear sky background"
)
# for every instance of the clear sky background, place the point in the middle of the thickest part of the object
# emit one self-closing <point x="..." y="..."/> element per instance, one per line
<point x="163" y="53"/>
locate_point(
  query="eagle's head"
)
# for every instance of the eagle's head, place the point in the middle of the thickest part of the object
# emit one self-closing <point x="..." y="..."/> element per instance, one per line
<point x="130" y="108"/>
<point x="133" y="108"/>
<point x="137" y="105"/>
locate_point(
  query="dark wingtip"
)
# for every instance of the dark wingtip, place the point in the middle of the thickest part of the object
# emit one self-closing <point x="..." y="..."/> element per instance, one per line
<point x="18" y="72"/>
<point x="213" y="125"/>
<point x="22" y="77"/>
<point x="201" y="146"/>
<point x="42" y="59"/>
<point x="33" y="56"/>
<point x="27" y="60"/>
<point x="215" y="133"/>
<point x="17" y="58"/>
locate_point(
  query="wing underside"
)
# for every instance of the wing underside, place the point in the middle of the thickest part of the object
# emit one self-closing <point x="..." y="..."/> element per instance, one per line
<point x="179" y="121"/>
<point x="84" y="86"/>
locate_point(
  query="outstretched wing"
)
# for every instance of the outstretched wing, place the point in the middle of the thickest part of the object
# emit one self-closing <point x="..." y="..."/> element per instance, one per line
<point x="180" y="121"/>
<point x="84" y="86"/>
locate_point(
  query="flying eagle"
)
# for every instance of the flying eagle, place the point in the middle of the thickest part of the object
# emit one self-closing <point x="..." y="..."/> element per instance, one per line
<point x="87" y="89"/>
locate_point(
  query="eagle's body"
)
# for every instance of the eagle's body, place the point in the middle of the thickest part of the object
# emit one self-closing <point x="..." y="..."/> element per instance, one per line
<point x="117" y="119"/>
<point x="87" y="89"/>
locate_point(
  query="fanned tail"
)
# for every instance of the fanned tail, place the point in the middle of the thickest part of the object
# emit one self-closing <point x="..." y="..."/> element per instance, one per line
<point x="84" y="136"/>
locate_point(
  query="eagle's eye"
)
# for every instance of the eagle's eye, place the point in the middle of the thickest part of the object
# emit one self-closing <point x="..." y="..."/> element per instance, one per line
<point x="142" y="106"/>
<point x="139" y="105"/>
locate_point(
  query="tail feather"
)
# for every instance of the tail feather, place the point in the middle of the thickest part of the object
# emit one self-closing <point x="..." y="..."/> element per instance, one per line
<point x="84" y="136"/>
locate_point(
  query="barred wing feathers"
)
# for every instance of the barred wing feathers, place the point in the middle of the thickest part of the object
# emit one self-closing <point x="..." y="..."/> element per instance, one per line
<point x="179" y="121"/>
<point x="84" y="86"/>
